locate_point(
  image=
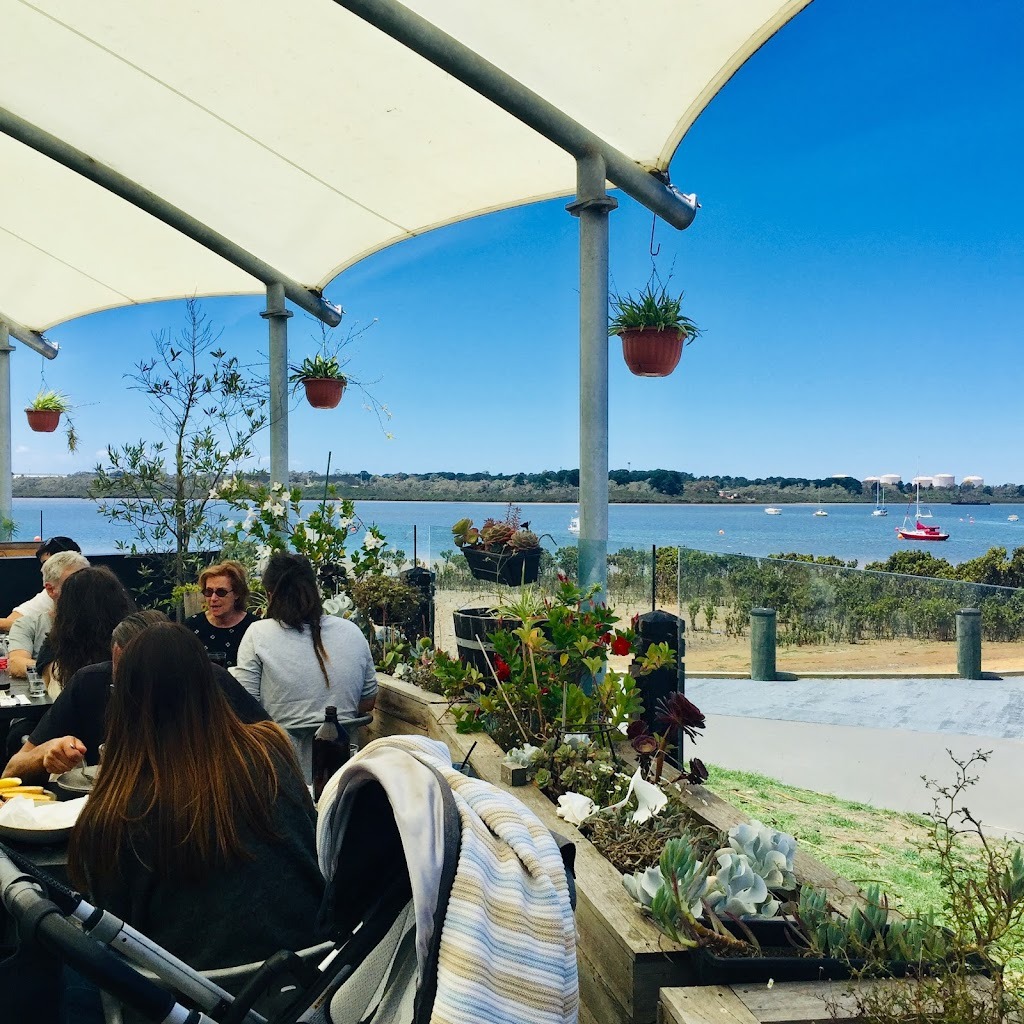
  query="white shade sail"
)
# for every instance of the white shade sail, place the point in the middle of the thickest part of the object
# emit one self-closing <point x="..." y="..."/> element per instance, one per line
<point x="310" y="138"/>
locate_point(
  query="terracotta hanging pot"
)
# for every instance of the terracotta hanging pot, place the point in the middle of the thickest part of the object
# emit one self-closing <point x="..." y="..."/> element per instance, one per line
<point x="652" y="353"/>
<point x="43" y="421"/>
<point x="323" y="392"/>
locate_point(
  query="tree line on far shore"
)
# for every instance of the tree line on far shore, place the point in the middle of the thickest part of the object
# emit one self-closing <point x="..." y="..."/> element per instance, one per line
<point x="624" y="486"/>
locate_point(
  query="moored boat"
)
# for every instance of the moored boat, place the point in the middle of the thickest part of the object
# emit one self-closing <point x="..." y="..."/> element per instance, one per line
<point x="919" y="531"/>
<point x="772" y="511"/>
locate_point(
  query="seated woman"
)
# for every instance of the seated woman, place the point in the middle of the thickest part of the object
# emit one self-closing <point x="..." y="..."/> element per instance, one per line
<point x="298" y="660"/>
<point x="90" y="604"/>
<point x="199" y="830"/>
<point x="221" y="627"/>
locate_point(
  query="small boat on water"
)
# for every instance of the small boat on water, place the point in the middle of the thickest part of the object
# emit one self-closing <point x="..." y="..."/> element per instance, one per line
<point x="1012" y="519"/>
<point x="821" y="512"/>
<point x="919" y="531"/>
<point x="574" y="525"/>
<point x="772" y="511"/>
<point x="880" y="509"/>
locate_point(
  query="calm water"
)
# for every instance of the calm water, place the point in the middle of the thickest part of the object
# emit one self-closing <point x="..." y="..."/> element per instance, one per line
<point x="850" y="531"/>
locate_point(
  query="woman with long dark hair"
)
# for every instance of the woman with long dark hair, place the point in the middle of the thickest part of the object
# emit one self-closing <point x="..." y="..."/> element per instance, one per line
<point x="298" y="660"/>
<point x="199" y="830"/>
<point x="91" y="603"/>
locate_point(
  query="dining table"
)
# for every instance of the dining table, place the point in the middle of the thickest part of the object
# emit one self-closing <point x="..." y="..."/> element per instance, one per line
<point x="16" y="703"/>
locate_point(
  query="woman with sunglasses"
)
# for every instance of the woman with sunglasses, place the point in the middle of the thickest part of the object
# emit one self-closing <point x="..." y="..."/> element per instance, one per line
<point x="221" y="627"/>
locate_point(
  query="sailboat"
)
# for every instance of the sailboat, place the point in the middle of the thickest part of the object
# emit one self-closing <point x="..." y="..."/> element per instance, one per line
<point x="880" y="509"/>
<point x="919" y="531"/>
<point x="574" y="524"/>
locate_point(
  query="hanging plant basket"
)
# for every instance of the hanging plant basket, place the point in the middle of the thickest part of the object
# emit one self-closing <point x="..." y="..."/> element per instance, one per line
<point x="650" y="352"/>
<point x="43" y="421"/>
<point x="512" y="568"/>
<point x="323" y="392"/>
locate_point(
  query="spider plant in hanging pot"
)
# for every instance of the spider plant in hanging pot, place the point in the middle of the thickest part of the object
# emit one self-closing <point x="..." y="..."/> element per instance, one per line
<point x="44" y="413"/>
<point x="653" y="330"/>
<point x="322" y="378"/>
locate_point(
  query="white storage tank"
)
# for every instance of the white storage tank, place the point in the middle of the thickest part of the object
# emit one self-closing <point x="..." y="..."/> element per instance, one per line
<point x="973" y="481"/>
<point x="943" y="480"/>
<point x="924" y="481"/>
<point x="890" y="479"/>
<point x="870" y="480"/>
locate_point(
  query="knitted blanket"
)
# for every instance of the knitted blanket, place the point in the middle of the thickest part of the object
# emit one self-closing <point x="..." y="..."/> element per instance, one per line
<point x="508" y="943"/>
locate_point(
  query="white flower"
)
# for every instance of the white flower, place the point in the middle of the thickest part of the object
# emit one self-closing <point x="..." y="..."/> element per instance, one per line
<point x="267" y="505"/>
<point x="338" y="605"/>
<point x="227" y="485"/>
<point x="229" y="524"/>
<point x="650" y="799"/>
<point x="263" y="553"/>
<point x="250" y="518"/>
<point x="575" y="807"/>
<point x="214" y="493"/>
<point x="276" y="487"/>
<point x="344" y="522"/>
<point x="372" y="541"/>
<point x="277" y="510"/>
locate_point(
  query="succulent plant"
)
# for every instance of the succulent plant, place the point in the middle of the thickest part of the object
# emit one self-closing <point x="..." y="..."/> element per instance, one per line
<point x="523" y="540"/>
<point x="770" y="853"/>
<point x="495" y="534"/>
<point x="643" y="886"/>
<point x="465" y="533"/>
<point x="737" y="889"/>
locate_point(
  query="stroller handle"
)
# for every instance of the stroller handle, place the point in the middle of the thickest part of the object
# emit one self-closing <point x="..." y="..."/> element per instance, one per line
<point x="42" y="922"/>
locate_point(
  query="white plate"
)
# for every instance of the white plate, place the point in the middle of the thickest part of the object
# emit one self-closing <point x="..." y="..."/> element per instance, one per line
<point x="39" y="836"/>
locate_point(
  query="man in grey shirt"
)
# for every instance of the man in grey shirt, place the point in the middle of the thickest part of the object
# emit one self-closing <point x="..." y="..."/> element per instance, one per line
<point x="28" y="632"/>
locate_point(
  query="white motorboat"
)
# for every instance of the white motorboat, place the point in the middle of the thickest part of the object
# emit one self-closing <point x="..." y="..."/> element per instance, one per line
<point x="1012" y="519"/>
<point x="772" y="511"/>
<point x="821" y="512"/>
<point x="574" y="525"/>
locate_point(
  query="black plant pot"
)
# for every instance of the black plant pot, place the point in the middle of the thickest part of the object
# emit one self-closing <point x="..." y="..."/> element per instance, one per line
<point x="783" y="961"/>
<point x="513" y="568"/>
<point x="473" y="626"/>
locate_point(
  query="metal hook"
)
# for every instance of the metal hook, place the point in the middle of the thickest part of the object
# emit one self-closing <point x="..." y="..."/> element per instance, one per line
<point x="654" y="252"/>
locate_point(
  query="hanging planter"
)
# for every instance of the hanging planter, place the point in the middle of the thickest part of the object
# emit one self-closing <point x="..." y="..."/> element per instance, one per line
<point x="323" y="392"/>
<point x="44" y="413"/>
<point x="323" y="380"/>
<point x="43" y="421"/>
<point x="653" y="330"/>
<point x="500" y="551"/>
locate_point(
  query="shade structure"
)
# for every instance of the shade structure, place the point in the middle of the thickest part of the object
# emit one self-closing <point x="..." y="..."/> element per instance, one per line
<point x="308" y="137"/>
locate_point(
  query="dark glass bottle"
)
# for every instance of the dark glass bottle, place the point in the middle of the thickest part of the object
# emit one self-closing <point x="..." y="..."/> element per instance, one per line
<point x="330" y="750"/>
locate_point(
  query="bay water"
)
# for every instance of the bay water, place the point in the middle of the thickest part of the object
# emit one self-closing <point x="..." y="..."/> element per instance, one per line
<point x="849" y="531"/>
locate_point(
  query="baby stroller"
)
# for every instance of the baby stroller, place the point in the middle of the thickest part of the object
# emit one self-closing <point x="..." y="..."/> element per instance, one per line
<point x="446" y="899"/>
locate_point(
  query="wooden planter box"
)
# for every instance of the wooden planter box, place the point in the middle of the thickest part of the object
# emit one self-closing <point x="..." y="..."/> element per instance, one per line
<point x="623" y="959"/>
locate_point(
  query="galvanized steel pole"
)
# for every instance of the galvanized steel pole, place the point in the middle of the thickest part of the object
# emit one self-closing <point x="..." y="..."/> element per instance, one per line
<point x="6" y="492"/>
<point x="33" y="339"/>
<point x="276" y="315"/>
<point x="592" y="206"/>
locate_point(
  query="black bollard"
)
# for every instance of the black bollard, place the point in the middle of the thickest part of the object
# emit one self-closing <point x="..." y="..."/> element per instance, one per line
<point x="655" y="628"/>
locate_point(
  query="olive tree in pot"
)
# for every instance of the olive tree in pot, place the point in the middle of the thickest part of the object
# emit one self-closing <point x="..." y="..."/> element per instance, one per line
<point x="653" y="330"/>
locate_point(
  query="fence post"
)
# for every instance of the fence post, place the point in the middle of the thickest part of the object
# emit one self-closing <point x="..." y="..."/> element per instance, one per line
<point x="968" y="643"/>
<point x="762" y="644"/>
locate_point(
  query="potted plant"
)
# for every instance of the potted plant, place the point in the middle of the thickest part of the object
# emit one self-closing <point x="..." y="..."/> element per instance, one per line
<point x="500" y="551"/>
<point x="44" y="413"/>
<point x="653" y="330"/>
<point x="322" y="378"/>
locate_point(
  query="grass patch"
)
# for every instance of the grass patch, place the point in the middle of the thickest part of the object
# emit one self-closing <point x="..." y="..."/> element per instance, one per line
<point x="862" y="843"/>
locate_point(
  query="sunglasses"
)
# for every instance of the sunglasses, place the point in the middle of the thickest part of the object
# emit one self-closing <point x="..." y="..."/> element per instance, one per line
<point x="220" y="592"/>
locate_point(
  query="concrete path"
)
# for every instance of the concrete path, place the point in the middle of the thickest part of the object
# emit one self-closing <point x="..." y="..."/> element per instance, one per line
<point x="872" y="740"/>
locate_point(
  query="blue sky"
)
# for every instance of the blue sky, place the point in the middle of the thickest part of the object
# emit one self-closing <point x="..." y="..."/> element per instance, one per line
<point x="857" y="267"/>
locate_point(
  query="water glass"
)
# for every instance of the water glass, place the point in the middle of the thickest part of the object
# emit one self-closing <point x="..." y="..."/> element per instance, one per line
<point x="36" y="686"/>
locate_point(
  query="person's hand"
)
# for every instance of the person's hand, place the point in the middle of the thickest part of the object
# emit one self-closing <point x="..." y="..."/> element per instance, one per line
<point x="63" y="754"/>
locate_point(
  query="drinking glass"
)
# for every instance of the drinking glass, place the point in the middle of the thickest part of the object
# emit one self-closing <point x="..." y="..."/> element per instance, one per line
<point x="36" y="686"/>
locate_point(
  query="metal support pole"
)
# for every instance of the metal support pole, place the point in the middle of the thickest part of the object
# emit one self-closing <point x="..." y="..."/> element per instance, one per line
<point x="968" y="643"/>
<point x="33" y="339"/>
<point x="762" y="644"/>
<point x="592" y="206"/>
<point x="6" y="468"/>
<point x="276" y="315"/>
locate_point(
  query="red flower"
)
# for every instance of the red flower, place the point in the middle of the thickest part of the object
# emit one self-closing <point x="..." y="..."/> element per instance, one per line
<point x="501" y="669"/>
<point x="562" y="578"/>
<point x="620" y="646"/>
<point x="606" y="638"/>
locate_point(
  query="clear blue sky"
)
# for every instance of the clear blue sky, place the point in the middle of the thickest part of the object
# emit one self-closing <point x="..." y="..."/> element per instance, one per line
<point x="857" y="267"/>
